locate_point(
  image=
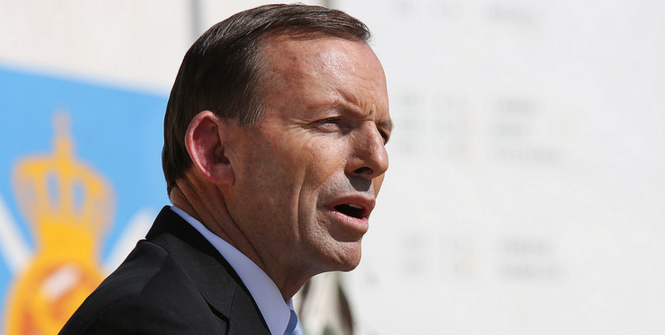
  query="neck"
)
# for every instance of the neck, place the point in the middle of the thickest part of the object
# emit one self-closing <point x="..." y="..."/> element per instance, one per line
<point x="205" y="203"/>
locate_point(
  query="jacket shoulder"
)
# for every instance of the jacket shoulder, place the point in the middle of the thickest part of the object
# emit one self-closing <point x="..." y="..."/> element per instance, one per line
<point x="148" y="294"/>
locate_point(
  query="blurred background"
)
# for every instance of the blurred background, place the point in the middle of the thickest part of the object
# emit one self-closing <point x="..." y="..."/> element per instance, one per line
<point x="525" y="195"/>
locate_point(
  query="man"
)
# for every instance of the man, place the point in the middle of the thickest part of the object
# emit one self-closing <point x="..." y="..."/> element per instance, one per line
<point x="274" y="152"/>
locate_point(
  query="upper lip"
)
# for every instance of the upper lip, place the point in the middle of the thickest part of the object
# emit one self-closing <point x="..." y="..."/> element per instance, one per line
<point x="363" y="203"/>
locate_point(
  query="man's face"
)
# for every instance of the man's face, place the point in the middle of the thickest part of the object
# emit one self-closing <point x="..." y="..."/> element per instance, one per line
<point x="306" y="177"/>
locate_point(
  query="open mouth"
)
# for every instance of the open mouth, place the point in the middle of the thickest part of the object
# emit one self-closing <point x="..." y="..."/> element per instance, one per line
<point x="352" y="210"/>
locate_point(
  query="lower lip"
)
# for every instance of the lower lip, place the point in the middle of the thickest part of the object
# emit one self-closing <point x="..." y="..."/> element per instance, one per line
<point x="360" y="224"/>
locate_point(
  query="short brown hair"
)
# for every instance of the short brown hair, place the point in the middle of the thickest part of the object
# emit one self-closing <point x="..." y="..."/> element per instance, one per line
<point x="221" y="72"/>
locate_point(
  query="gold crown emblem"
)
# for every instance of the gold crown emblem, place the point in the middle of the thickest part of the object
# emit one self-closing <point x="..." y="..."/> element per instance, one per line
<point x="69" y="206"/>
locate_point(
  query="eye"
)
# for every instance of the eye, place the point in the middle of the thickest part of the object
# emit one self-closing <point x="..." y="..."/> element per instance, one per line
<point x="332" y="120"/>
<point x="385" y="136"/>
<point x="327" y="125"/>
<point x="331" y="123"/>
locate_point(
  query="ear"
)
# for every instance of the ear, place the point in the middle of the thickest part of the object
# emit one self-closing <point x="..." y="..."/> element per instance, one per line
<point x="206" y="139"/>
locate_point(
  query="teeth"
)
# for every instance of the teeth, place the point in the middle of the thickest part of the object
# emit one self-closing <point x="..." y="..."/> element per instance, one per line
<point x="353" y="210"/>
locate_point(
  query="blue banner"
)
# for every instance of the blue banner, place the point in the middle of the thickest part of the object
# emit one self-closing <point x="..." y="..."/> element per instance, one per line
<point x="80" y="182"/>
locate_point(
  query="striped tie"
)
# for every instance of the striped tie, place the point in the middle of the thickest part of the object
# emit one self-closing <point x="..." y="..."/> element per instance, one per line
<point x="294" y="327"/>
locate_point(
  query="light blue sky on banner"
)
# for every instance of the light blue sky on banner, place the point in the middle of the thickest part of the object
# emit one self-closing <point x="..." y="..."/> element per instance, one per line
<point x="117" y="132"/>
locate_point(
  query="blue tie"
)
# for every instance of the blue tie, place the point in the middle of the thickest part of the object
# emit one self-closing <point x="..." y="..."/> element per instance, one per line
<point x="294" y="327"/>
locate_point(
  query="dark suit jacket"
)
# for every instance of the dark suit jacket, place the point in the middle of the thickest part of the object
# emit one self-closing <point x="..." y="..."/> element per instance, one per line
<point x="173" y="282"/>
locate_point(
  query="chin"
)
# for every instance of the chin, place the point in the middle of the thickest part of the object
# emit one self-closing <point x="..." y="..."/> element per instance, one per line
<point x="350" y="266"/>
<point x="346" y="258"/>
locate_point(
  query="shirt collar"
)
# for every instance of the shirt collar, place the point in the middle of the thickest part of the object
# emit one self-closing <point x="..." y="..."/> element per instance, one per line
<point x="274" y="309"/>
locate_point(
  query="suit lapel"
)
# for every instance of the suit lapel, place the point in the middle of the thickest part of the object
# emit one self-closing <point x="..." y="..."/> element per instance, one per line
<point x="215" y="279"/>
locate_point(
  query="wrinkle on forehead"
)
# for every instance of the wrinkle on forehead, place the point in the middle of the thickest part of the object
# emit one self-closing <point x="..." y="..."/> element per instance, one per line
<point x="292" y="60"/>
<point x="315" y="57"/>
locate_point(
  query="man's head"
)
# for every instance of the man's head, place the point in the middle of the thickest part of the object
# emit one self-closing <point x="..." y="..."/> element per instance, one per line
<point x="287" y="166"/>
<point x="223" y="71"/>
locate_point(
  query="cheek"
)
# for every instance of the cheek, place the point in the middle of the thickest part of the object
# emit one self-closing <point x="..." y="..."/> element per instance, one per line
<point x="320" y="158"/>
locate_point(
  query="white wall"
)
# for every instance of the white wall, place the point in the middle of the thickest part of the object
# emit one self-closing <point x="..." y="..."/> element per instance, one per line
<point x="128" y="43"/>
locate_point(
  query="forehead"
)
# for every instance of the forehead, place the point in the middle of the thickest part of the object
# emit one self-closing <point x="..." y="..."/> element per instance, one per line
<point x="318" y="53"/>
<point x="324" y="68"/>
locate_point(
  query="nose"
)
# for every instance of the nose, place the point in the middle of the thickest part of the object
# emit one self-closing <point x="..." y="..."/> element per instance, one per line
<point x="370" y="158"/>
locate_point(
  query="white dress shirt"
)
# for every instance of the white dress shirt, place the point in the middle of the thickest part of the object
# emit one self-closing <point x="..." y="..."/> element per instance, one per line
<point x="274" y="309"/>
